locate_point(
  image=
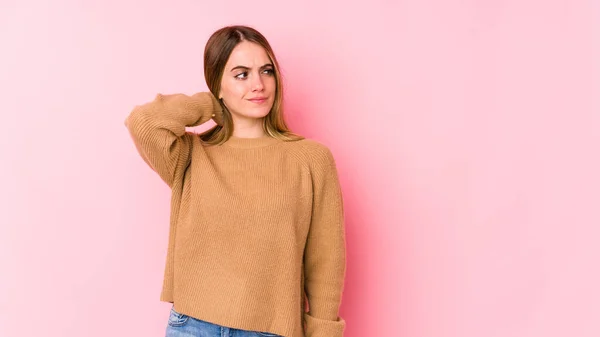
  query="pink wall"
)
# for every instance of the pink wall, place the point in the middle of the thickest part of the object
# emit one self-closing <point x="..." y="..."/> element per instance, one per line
<point x="466" y="135"/>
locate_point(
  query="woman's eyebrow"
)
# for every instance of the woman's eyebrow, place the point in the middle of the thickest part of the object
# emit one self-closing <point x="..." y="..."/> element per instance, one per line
<point x="246" y="68"/>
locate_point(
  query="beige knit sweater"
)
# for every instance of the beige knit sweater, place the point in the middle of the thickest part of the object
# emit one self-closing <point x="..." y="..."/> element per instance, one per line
<point x="257" y="224"/>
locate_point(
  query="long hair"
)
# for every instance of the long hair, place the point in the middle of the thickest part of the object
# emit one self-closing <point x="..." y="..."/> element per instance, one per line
<point x="216" y="53"/>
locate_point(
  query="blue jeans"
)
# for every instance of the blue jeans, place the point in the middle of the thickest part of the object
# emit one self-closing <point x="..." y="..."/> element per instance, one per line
<point x="181" y="325"/>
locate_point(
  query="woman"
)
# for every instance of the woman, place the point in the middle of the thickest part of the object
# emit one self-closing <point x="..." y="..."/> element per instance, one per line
<point x="257" y="226"/>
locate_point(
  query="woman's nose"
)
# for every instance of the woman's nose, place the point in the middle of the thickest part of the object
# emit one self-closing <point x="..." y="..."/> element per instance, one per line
<point x="257" y="84"/>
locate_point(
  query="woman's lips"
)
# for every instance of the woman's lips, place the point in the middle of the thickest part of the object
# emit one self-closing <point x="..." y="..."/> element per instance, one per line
<point x="258" y="100"/>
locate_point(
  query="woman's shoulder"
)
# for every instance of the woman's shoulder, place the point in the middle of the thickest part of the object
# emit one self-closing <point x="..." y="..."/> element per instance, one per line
<point x="312" y="152"/>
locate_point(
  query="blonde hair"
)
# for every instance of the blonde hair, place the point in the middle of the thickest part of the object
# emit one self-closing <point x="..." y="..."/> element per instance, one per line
<point x="216" y="53"/>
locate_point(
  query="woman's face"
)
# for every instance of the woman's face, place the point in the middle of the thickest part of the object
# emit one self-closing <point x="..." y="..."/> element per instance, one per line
<point x="248" y="85"/>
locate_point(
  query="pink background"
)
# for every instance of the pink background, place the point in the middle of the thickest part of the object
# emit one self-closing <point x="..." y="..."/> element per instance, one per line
<point x="466" y="133"/>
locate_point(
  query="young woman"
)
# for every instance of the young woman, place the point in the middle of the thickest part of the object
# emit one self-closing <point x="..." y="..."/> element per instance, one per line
<point x="257" y="225"/>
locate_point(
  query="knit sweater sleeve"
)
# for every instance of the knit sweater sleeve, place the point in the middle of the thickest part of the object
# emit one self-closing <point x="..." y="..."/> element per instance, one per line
<point x="325" y="253"/>
<point x="158" y="129"/>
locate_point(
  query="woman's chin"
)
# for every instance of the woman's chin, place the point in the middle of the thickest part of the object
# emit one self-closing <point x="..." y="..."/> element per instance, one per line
<point x="254" y="114"/>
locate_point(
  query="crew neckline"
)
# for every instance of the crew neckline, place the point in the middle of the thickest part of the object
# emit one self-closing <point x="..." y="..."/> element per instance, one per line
<point x="248" y="143"/>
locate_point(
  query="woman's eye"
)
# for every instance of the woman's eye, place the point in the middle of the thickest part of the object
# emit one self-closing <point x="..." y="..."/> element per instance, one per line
<point x="244" y="75"/>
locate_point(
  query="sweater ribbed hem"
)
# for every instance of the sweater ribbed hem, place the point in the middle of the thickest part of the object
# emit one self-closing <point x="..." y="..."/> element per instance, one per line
<point x="245" y="319"/>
